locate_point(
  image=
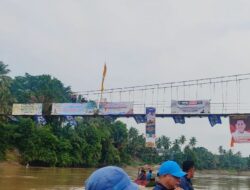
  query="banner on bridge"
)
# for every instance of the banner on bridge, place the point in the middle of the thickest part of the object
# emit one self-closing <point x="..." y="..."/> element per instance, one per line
<point x="190" y="107"/>
<point x="150" y="127"/>
<point x="27" y="109"/>
<point x="88" y="108"/>
<point x="115" y="108"/>
<point x="240" y="128"/>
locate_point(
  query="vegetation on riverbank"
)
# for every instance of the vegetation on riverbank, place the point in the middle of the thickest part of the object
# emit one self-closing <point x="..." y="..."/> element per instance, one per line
<point x="93" y="142"/>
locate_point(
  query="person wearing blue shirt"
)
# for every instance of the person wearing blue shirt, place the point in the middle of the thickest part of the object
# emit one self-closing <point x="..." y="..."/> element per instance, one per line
<point x="186" y="182"/>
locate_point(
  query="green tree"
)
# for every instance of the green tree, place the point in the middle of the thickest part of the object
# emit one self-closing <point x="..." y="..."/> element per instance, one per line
<point x="64" y="156"/>
<point x="176" y="145"/>
<point x="221" y="150"/>
<point x="204" y="159"/>
<point x="119" y="133"/>
<point x="136" y="144"/>
<point x="164" y="142"/>
<point x="189" y="154"/>
<point x="93" y="147"/>
<point x="3" y="141"/>
<point x="78" y="141"/>
<point x="182" y="140"/>
<point x="45" y="144"/>
<point x="40" y="89"/>
<point x="5" y="95"/>
<point x="248" y="162"/>
<point x="3" y="69"/>
<point x="192" y="142"/>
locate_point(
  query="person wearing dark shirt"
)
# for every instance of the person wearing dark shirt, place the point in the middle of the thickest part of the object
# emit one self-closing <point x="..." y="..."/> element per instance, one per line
<point x="186" y="182"/>
<point x="169" y="175"/>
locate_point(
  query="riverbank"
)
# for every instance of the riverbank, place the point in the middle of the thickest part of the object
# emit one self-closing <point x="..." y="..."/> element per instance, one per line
<point x="10" y="164"/>
<point x="12" y="158"/>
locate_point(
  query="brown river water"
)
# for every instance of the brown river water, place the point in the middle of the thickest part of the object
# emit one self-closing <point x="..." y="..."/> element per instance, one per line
<point x="20" y="178"/>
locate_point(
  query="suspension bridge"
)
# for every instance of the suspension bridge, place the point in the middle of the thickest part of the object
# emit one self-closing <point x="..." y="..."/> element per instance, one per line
<point x="226" y="94"/>
<point x="207" y="97"/>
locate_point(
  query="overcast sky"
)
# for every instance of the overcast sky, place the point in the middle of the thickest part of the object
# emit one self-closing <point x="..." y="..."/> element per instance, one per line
<point x="142" y="41"/>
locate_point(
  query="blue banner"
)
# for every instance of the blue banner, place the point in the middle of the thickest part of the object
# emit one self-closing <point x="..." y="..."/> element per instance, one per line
<point x="140" y="119"/>
<point x="13" y="118"/>
<point x="179" y="119"/>
<point x="40" y="120"/>
<point x="150" y="127"/>
<point x="214" y="119"/>
<point x="70" y="120"/>
<point x="110" y="118"/>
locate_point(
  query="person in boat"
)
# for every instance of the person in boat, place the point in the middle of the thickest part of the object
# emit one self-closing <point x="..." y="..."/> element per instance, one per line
<point x="189" y="168"/>
<point x="142" y="174"/>
<point x="149" y="175"/>
<point x="169" y="175"/>
<point x="141" y="177"/>
<point x="110" y="178"/>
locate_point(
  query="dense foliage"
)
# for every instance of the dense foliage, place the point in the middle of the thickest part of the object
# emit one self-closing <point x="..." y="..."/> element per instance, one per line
<point x="5" y="94"/>
<point x="97" y="142"/>
<point x="94" y="141"/>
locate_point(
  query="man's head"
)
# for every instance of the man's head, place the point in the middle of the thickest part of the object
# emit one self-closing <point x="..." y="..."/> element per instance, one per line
<point x="110" y="178"/>
<point x="170" y="174"/>
<point x="188" y="167"/>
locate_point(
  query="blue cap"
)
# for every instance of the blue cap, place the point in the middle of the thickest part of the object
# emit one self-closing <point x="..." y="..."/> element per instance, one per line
<point x="110" y="178"/>
<point x="172" y="168"/>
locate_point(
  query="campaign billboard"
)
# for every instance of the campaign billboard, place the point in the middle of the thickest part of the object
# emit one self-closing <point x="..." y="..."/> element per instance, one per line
<point x="27" y="109"/>
<point x="240" y="128"/>
<point x="150" y="127"/>
<point x="115" y="108"/>
<point x="88" y="108"/>
<point x="190" y="107"/>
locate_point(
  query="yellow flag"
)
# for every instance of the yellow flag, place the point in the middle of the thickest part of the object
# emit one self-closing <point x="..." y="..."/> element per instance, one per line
<point x="103" y="76"/>
<point x="104" y="70"/>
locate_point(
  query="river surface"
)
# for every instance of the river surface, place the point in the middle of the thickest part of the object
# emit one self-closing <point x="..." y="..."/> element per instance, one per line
<point x="21" y="178"/>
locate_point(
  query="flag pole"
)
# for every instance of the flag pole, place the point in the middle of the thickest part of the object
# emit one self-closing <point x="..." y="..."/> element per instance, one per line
<point x="102" y="85"/>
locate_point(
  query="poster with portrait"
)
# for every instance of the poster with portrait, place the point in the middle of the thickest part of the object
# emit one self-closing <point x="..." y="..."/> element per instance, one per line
<point x="240" y="128"/>
<point x="150" y="127"/>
